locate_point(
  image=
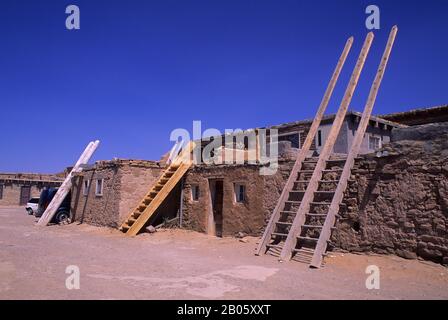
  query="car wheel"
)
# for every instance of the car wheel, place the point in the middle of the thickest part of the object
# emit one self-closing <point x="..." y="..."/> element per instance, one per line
<point x="63" y="217"/>
<point x="30" y="211"/>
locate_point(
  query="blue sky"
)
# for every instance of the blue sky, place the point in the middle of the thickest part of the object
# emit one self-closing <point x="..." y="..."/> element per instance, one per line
<point x="136" y="70"/>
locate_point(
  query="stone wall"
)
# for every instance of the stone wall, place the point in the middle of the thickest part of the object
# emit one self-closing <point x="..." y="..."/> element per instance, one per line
<point x="398" y="201"/>
<point x="125" y="184"/>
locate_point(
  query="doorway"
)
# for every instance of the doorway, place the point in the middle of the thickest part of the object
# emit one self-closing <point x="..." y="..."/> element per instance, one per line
<point x="25" y="195"/>
<point x="217" y="199"/>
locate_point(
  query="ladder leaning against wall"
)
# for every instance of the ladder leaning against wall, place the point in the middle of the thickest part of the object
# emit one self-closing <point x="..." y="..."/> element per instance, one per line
<point x="147" y="207"/>
<point x="305" y="238"/>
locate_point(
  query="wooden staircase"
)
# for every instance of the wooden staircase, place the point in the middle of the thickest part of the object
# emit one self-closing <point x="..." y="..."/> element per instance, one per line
<point x="278" y="223"/>
<point x="140" y="216"/>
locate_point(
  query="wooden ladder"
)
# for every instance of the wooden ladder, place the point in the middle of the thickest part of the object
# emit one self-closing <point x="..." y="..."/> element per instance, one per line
<point x="139" y="217"/>
<point x="330" y="219"/>
<point x="279" y="218"/>
<point x="311" y="192"/>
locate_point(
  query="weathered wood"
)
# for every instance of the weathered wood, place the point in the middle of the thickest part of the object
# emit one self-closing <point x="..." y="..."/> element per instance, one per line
<point x="305" y="148"/>
<point x="325" y="153"/>
<point x="176" y="169"/>
<point x="354" y="150"/>
<point x="64" y="189"/>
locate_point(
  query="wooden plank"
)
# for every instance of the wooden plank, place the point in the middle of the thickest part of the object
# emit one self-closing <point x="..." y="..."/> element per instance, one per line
<point x="305" y="148"/>
<point x="354" y="150"/>
<point x="67" y="184"/>
<point x="326" y="151"/>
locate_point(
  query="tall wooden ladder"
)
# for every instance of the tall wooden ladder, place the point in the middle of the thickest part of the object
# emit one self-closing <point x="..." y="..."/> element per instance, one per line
<point x="312" y="178"/>
<point x="330" y="219"/>
<point x="140" y="216"/>
<point x="280" y="219"/>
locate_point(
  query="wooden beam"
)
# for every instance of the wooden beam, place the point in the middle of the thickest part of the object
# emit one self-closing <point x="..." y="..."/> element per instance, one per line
<point x="67" y="184"/>
<point x="354" y="150"/>
<point x="325" y="153"/>
<point x="305" y="148"/>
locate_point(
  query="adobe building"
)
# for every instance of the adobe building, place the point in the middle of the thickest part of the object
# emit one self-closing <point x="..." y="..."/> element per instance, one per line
<point x="396" y="201"/>
<point x="17" y="188"/>
<point x="104" y="193"/>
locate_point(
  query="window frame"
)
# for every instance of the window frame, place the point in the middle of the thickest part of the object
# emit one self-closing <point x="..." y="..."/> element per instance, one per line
<point x="85" y="187"/>
<point x="195" y="192"/>
<point x="376" y="139"/>
<point x="237" y="192"/>
<point x="99" y="194"/>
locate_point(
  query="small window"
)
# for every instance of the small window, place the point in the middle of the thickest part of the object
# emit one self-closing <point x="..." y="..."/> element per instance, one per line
<point x="1" y="191"/>
<point x="240" y="192"/>
<point x="85" y="189"/>
<point x="319" y="138"/>
<point x="374" y="143"/>
<point x="195" y="192"/>
<point x="99" y="187"/>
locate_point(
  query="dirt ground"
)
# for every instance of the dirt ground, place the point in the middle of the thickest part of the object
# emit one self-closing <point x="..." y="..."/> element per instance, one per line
<point x="178" y="264"/>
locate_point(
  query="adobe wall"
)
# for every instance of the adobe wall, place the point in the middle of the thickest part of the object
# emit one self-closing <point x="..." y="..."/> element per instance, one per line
<point x="94" y="209"/>
<point x="398" y="202"/>
<point x="11" y="193"/>
<point x="125" y="184"/>
<point x="247" y="217"/>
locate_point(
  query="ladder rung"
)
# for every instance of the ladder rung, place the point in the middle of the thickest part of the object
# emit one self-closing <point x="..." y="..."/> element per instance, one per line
<point x="288" y="211"/>
<point x="324" y="192"/>
<point x="292" y="201"/>
<point x="309" y="226"/>
<point x="279" y="234"/>
<point x="284" y="223"/>
<point x="331" y="170"/>
<point x="321" y="203"/>
<point x="316" y="214"/>
<point x="307" y="238"/>
<point x="274" y="246"/>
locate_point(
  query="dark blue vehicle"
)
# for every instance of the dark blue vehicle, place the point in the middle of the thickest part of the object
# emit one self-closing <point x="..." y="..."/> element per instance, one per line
<point x="63" y="212"/>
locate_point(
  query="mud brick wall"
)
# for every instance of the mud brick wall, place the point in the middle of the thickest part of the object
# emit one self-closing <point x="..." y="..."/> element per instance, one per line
<point x="125" y="184"/>
<point x="247" y="217"/>
<point x="11" y="192"/>
<point x="398" y="201"/>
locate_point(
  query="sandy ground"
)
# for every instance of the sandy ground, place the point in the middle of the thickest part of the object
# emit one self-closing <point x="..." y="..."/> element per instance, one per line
<point x="178" y="264"/>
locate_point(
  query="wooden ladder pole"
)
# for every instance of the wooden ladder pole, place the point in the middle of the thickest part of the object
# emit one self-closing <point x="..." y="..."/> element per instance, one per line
<point x="305" y="148"/>
<point x="354" y="150"/>
<point x="326" y="151"/>
<point x="64" y="189"/>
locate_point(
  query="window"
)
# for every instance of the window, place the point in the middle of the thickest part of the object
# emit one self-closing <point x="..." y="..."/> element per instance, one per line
<point x="240" y="192"/>
<point x="33" y="200"/>
<point x="319" y="138"/>
<point x="195" y="192"/>
<point x="99" y="187"/>
<point x="1" y="191"/>
<point x="85" y="189"/>
<point x="374" y="143"/>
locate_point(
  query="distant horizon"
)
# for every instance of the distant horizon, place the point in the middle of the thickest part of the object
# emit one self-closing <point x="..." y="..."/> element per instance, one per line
<point x="136" y="70"/>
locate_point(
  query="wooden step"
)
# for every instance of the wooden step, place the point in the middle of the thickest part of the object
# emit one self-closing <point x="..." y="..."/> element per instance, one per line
<point x="284" y="223"/>
<point x="288" y="212"/>
<point x="279" y="234"/>
<point x="307" y="238"/>
<point x="310" y="226"/>
<point x="274" y="246"/>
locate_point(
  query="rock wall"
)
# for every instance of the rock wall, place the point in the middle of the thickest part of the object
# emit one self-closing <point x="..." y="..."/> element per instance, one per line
<point x="397" y="202"/>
